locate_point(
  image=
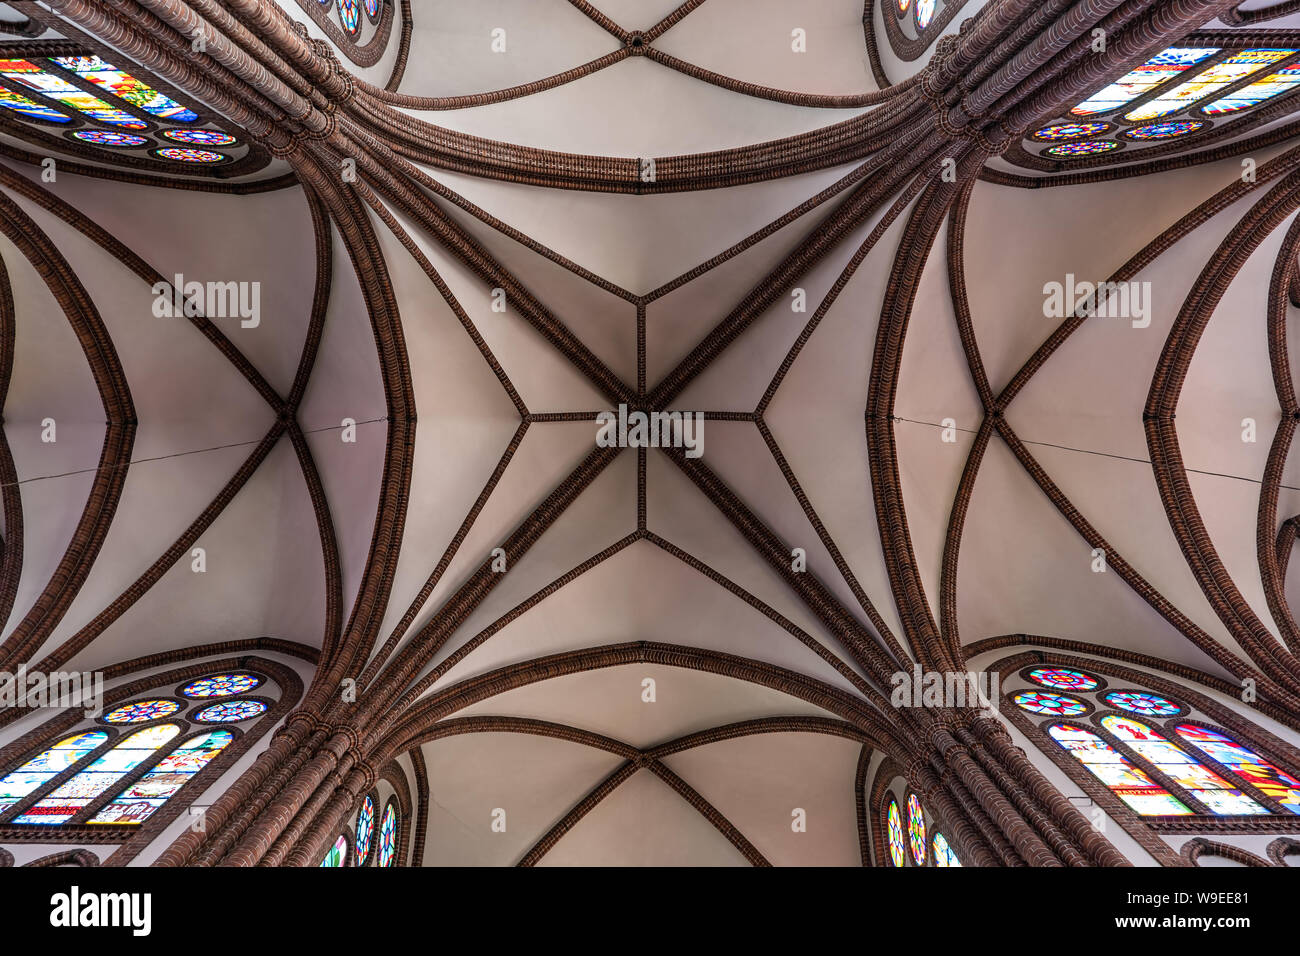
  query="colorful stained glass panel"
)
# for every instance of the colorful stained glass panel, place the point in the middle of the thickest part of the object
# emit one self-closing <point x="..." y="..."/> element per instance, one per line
<point x="388" y="836"/>
<point x="1148" y="705"/>
<point x="1209" y="81"/>
<point x="1131" y="784"/>
<point x="943" y="853"/>
<point x="229" y="711"/>
<point x="1055" y="705"/>
<point x="1061" y="132"/>
<point x="200" y="137"/>
<point x="59" y="89"/>
<point x="365" y="829"/>
<point x="108" y="137"/>
<point x="1061" y="678"/>
<point x="924" y="13"/>
<point x="894" y="823"/>
<point x="1219" y="796"/>
<point x="350" y="14"/>
<point x="1067" y="150"/>
<point x="142" y="798"/>
<point x="372" y="8"/>
<point x="1159" y="69"/>
<point x="30" y="108"/>
<point x="338" y="854"/>
<point x="916" y="829"/>
<point x="66" y="800"/>
<point x="1273" y="85"/>
<point x="1164" y="130"/>
<point x="124" y="85"/>
<point x="1245" y="763"/>
<point x="219" y="685"/>
<point x="183" y="154"/>
<point x="46" y="765"/>
<point x="139" y="711"/>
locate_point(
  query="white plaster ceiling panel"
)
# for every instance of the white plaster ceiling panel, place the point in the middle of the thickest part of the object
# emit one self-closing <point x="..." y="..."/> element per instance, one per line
<point x="461" y="52"/>
<point x="758" y="782"/>
<point x="534" y="780"/>
<point x="754" y="41"/>
<point x="644" y="593"/>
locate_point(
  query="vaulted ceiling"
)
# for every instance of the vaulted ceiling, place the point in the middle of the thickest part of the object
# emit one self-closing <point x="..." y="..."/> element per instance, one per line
<point x="474" y="427"/>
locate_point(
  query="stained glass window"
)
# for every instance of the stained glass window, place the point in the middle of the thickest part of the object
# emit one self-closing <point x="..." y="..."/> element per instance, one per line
<point x="1210" y="80"/>
<point x="924" y="13"/>
<point x="388" y="836"/>
<point x="372" y="8"/>
<point x="1059" y="132"/>
<point x="1062" y="679"/>
<point x="350" y="14"/>
<point x="229" y="711"/>
<point x="894" y="823"/>
<point x="1083" y="149"/>
<point x="124" y="85"/>
<point x="1275" y="84"/>
<point x="185" y="155"/>
<point x="338" y="853"/>
<point x="1155" y="71"/>
<point x="1245" y="763"/>
<point x="916" y="829"/>
<point x="943" y="853"/>
<point x="202" y="137"/>
<point x="365" y="829"/>
<point x="1221" y="797"/>
<point x="141" y="710"/>
<point x="108" y="137"/>
<point x="903" y="5"/>
<point x="60" y="90"/>
<point x="140" y="799"/>
<point x="1164" y="130"/>
<point x="1148" y="705"/>
<point x="219" y="685"/>
<point x="47" y="765"/>
<point x="1055" y="705"/>
<point x="1131" y="784"/>
<point x="30" y="108"/>
<point x="66" y="800"/>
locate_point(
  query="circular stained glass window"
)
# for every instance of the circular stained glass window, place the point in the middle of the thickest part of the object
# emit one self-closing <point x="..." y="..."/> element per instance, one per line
<point x="142" y="710"/>
<point x="1164" y="130"/>
<point x="108" y="137"/>
<point x="895" y="825"/>
<point x="1060" y="678"/>
<point x="365" y="829"/>
<point x="388" y="836"/>
<point x="1083" y="149"/>
<point x="916" y="829"/>
<point x="350" y="14"/>
<point x="229" y="711"/>
<point x="338" y="854"/>
<point x="200" y="137"/>
<point x="924" y="13"/>
<point x="1054" y="705"/>
<point x="1148" y="705"/>
<point x="180" y="154"/>
<point x="1060" y="132"/>
<point x="221" y="685"/>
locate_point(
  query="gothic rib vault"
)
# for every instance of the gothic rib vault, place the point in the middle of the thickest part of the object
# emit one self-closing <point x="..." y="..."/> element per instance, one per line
<point x="473" y="227"/>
